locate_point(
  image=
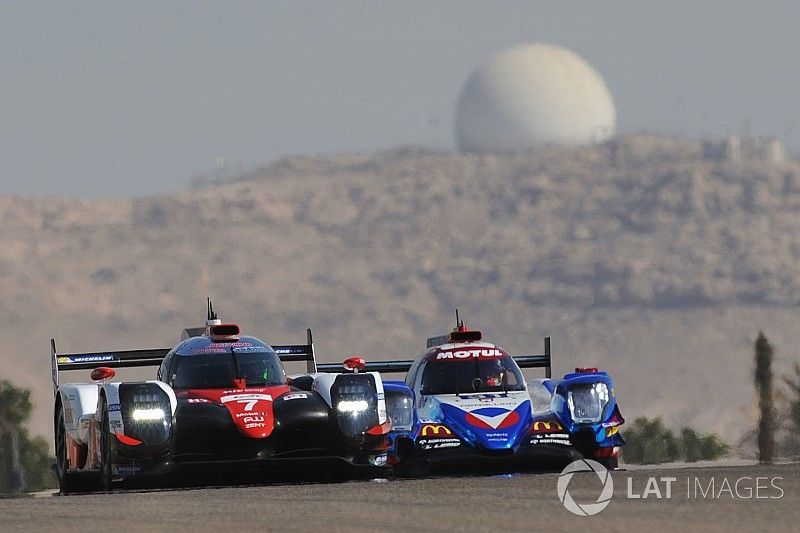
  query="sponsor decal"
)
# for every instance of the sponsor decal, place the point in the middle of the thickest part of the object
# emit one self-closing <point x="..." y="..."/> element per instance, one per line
<point x="435" y="430"/>
<point x="249" y="349"/>
<point x="112" y="407"/>
<point x="546" y="426"/>
<point x="484" y="353"/>
<point x="291" y="350"/>
<point x="612" y="431"/>
<point x="253" y="420"/>
<point x="251" y="390"/>
<point x="126" y="470"/>
<point x="69" y="413"/>
<point x="559" y="439"/>
<point x="470" y="402"/>
<point x="248" y="402"/>
<point x="250" y="413"/>
<point x="295" y="396"/>
<point x="225" y="347"/>
<point x="246" y="397"/>
<point x="492" y="418"/>
<point x="433" y="444"/>
<point x="86" y="358"/>
<point x="498" y="437"/>
<point x="237" y="344"/>
<point x="198" y="400"/>
<point x="435" y="436"/>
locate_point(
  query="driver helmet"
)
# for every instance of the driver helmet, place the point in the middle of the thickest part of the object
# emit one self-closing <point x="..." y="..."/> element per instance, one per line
<point x="492" y="373"/>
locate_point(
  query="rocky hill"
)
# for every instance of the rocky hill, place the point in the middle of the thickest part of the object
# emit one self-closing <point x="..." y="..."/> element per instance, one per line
<point x="658" y="259"/>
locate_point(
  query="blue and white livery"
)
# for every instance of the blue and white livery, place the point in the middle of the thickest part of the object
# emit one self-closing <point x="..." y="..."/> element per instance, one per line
<point x="465" y="405"/>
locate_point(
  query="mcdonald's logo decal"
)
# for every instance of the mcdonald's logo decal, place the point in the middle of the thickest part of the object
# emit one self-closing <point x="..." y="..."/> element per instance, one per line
<point x="436" y="430"/>
<point x="547" y="426"/>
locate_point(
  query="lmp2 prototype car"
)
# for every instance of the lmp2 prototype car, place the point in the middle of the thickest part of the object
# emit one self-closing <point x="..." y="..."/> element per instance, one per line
<point x="219" y="400"/>
<point x="465" y="405"/>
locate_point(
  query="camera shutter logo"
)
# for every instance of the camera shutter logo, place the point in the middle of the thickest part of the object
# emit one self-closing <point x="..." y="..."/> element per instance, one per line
<point x="585" y="509"/>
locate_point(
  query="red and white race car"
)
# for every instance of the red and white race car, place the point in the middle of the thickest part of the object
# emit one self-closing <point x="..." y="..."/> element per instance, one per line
<point x="219" y="401"/>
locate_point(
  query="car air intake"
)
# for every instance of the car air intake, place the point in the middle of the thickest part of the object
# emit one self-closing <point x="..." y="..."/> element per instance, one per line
<point x="465" y="336"/>
<point x="224" y="332"/>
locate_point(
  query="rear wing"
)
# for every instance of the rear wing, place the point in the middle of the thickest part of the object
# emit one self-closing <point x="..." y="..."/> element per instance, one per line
<point x="537" y="361"/>
<point x="400" y="366"/>
<point x="386" y="367"/>
<point x="61" y="362"/>
<point x="299" y="352"/>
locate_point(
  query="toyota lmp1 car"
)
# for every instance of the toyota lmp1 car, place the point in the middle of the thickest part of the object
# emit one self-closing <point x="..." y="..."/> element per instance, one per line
<point x="465" y="405"/>
<point x="219" y="399"/>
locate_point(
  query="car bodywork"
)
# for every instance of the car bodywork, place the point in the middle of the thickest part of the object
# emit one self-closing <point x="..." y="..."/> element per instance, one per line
<point x="446" y="419"/>
<point x="191" y="418"/>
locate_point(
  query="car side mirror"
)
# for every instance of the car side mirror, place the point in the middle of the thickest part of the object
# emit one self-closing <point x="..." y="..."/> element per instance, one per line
<point x="354" y="364"/>
<point x="102" y="373"/>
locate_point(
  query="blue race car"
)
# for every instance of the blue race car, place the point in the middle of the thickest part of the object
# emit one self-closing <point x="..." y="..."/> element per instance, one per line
<point x="465" y="406"/>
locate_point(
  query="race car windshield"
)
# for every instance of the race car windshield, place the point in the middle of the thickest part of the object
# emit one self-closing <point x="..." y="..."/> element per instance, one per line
<point x="472" y="375"/>
<point x="218" y="370"/>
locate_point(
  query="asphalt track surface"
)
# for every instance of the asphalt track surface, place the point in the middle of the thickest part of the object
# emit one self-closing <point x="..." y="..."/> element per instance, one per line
<point x="521" y="502"/>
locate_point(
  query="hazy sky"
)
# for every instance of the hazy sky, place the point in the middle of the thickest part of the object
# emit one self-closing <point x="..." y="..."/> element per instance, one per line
<point x="115" y="98"/>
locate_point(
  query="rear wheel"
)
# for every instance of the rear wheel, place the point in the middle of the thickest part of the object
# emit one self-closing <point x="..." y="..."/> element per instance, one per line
<point x="105" y="447"/>
<point x="62" y="462"/>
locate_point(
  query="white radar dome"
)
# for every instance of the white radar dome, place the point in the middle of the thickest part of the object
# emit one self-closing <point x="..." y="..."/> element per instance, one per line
<point x="532" y="95"/>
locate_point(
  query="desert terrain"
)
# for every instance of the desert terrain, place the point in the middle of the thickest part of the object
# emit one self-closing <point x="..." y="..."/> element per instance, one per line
<point x="657" y="259"/>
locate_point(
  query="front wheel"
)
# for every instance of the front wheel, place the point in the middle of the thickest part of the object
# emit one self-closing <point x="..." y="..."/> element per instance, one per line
<point x="608" y="457"/>
<point x="68" y="482"/>
<point x="65" y="479"/>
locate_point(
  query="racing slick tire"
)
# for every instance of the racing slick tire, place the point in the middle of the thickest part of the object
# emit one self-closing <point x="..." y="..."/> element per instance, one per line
<point x="105" y="447"/>
<point x="411" y="470"/>
<point x="610" y="463"/>
<point x="68" y="482"/>
<point x="412" y="464"/>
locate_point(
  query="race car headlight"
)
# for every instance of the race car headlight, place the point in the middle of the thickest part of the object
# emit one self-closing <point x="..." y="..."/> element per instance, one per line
<point x="586" y="401"/>
<point x="400" y="408"/>
<point x="147" y="414"/>
<point x="352" y="406"/>
<point x="147" y="406"/>
<point x="355" y="401"/>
